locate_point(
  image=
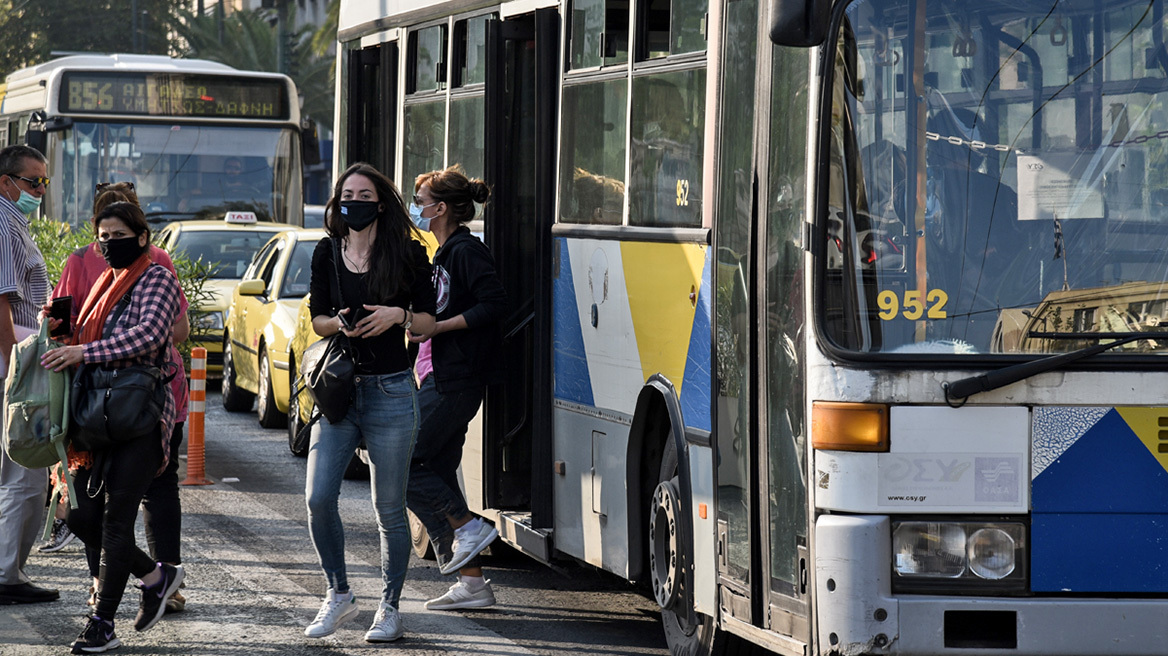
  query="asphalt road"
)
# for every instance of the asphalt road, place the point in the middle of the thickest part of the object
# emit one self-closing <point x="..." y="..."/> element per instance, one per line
<point x="253" y="582"/>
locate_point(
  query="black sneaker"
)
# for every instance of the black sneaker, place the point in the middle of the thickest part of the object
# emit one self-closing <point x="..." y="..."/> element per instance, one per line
<point x="154" y="598"/>
<point x="60" y="537"/>
<point x="98" y="636"/>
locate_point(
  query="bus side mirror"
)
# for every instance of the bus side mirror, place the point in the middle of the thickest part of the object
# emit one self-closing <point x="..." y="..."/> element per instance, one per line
<point x="309" y="142"/>
<point x="800" y="23"/>
<point x="39" y="127"/>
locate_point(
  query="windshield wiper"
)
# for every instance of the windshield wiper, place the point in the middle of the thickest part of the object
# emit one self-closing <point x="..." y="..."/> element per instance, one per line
<point x="966" y="387"/>
<point x="162" y="216"/>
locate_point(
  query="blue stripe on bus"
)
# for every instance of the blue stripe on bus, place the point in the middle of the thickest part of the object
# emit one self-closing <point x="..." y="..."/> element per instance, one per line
<point x="572" y="382"/>
<point x="1100" y="514"/>
<point x="695" y="387"/>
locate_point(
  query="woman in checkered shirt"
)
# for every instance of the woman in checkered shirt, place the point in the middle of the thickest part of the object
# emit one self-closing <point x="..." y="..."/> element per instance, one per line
<point x="110" y="484"/>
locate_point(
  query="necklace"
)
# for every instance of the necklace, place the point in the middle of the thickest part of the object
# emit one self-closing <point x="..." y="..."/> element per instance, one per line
<point x="357" y="268"/>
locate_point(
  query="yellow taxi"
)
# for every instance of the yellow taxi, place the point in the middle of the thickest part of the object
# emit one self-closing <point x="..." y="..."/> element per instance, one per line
<point x="229" y="245"/>
<point x="257" y="359"/>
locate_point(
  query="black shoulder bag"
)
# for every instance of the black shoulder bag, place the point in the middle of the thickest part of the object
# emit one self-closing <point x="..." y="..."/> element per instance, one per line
<point x="328" y="366"/>
<point x="114" y="406"/>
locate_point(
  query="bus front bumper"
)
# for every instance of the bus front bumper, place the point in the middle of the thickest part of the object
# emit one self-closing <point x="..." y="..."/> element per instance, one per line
<point x="858" y="614"/>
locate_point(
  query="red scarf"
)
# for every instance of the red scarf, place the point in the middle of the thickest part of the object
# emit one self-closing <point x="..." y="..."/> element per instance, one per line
<point x="104" y="296"/>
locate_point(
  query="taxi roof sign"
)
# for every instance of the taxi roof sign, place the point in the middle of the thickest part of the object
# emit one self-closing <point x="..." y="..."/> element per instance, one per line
<point x="240" y="217"/>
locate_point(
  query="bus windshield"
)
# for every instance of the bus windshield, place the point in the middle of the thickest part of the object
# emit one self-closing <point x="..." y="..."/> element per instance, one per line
<point x="998" y="177"/>
<point x="178" y="171"/>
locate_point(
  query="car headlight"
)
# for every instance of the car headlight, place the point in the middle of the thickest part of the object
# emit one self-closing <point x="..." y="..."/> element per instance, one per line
<point x="209" y="321"/>
<point x="934" y="556"/>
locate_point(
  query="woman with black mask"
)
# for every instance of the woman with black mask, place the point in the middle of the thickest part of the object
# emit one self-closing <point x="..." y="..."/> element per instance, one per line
<point x="383" y="277"/>
<point x="110" y="484"/>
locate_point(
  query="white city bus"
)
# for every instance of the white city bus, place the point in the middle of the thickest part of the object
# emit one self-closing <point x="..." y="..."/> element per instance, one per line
<point x="179" y="129"/>
<point x="834" y="322"/>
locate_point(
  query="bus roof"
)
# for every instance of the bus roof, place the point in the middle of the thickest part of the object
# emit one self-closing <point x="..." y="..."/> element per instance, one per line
<point x="358" y="18"/>
<point x="120" y="61"/>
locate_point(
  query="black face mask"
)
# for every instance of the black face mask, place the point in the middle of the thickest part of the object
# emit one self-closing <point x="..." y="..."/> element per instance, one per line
<point x="359" y="214"/>
<point x="120" y="253"/>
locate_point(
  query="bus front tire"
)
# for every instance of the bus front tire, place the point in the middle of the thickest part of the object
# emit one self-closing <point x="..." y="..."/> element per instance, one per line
<point x="420" y="538"/>
<point x="687" y="632"/>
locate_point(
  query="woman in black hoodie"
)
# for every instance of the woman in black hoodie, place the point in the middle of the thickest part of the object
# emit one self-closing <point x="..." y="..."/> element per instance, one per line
<point x="465" y="348"/>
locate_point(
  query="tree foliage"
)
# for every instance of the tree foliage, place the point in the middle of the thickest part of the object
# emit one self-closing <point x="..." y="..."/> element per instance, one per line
<point x="248" y="40"/>
<point x="33" y="29"/>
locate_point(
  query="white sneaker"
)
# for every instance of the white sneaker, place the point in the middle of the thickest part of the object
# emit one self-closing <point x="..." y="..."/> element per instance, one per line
<point x="460" y="596"/>
<point x="387" y="625"/>
<point x="469" y="539"/>
<point x="333" y="613"/>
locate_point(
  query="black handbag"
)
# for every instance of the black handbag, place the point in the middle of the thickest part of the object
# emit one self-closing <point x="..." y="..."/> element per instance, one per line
<point x="115" y="406"/>
<point x="328" y="365"/>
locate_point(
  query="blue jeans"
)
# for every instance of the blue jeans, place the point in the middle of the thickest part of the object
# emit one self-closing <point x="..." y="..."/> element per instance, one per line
<point x="384" y="412"/>
<point x="434" y="493"/>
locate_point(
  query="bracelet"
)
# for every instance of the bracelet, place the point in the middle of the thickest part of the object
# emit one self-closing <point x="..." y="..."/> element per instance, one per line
<point x="409" y="320"/>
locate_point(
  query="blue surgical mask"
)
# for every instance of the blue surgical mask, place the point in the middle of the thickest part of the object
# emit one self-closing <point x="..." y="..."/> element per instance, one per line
<point x="422" y="222"/>
<point x="27" y="203"/>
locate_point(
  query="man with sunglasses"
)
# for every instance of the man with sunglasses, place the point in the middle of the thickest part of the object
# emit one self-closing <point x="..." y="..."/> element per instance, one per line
<point x="24" y="287"/>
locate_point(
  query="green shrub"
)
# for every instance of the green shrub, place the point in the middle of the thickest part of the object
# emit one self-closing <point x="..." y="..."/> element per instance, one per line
<point x="57" y="241"/>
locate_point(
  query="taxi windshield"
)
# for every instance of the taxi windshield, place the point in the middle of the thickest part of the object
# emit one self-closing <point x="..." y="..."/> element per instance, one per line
<point x="230" y="251"/>
<point x="998" y="177"/>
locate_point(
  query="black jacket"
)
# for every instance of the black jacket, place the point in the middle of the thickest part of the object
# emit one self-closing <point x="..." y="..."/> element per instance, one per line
<point x="465" y="283"/>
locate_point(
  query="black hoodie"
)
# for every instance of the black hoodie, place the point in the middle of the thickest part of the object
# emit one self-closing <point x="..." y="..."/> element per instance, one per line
<point x="465" y="283"/>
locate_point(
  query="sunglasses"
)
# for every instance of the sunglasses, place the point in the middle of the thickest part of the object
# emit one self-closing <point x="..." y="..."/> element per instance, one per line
<point x="102" y="186"/>
<point x="34" y="182"/>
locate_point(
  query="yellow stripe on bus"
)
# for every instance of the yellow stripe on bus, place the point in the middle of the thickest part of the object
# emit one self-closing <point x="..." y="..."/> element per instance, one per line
<point x="659" y="279"/>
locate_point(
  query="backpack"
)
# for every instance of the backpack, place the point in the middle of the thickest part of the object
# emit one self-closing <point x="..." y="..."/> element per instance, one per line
<point x="36" y="408"/>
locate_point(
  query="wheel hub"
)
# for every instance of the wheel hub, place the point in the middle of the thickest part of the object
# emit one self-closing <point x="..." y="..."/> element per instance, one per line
<point x="664" y="561"/>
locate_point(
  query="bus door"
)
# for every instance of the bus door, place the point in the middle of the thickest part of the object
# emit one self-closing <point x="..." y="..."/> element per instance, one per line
<point x="761" y="480"/>
<point x="372" y="86"/>
<point x="521" y="104"/>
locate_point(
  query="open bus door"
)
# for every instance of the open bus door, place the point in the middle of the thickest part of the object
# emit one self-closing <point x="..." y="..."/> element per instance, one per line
<point x="521" y="100"/>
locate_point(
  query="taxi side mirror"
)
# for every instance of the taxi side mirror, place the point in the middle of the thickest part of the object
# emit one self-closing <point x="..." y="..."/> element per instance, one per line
<point x="252" y="288"/>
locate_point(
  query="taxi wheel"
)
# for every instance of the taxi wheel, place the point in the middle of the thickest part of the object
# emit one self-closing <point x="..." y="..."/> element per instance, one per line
<point x="270" y="415"/>
<point x="234" y="399"/>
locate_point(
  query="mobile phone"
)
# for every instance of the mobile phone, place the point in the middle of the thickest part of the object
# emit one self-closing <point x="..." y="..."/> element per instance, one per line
<point x="345" y="320"/>
<point x="62" y="308"/>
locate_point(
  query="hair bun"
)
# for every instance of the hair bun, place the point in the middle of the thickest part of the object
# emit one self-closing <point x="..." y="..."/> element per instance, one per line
<point x="479" y="191"/>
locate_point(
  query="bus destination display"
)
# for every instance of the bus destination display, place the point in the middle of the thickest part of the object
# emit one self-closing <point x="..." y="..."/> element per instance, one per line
<point x="173" y="94"/>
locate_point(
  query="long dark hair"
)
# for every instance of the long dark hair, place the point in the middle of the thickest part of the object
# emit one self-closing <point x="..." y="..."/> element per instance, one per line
<point x="389" y="257"/>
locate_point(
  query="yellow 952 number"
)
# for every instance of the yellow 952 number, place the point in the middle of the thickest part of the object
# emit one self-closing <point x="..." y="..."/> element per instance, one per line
<point x="930" y="304"/>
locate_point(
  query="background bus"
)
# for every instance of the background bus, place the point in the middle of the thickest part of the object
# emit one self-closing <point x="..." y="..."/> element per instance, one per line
<point x="749" y="280"/>
<point x="195" y="137"/>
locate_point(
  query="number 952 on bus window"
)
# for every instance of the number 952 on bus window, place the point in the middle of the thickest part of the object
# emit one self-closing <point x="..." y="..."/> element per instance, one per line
<point x="912" y="304"/>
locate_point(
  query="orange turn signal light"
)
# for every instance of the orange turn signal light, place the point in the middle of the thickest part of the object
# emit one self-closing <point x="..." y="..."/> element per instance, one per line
<point x="849" y="426"/>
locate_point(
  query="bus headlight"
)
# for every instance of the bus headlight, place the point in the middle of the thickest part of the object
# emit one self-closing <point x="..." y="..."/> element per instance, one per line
<point x="991" y="553"/>
<point x="935" y="556"/>
<point x="929" y="549"/>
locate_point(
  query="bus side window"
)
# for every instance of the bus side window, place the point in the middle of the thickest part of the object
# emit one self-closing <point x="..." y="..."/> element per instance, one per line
<point x="598" y="33"/>
<point x="666" y="150"/>
<point x="670" y="27"/>
<point x="593" y="153"/>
